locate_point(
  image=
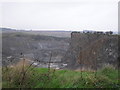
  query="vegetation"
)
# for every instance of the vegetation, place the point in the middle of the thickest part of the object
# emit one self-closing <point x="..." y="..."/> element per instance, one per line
<point x="24" y="75"/>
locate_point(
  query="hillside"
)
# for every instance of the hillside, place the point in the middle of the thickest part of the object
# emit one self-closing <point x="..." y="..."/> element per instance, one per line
<point x="33" y="47"/>
<point x="82" y="50"/>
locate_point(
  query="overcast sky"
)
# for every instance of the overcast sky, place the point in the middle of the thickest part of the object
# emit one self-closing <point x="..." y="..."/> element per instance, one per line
<point x="60" y="14"/>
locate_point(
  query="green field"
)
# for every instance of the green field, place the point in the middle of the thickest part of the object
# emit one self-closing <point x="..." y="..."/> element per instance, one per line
<point x="45" y="78"/>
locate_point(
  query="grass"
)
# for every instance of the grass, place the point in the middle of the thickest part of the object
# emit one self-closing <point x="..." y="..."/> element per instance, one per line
<point x="24" y="75"/>
<point x="43" y="78"/>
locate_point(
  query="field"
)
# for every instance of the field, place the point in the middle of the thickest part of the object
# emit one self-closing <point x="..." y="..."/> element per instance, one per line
<point x="32" y="77"/>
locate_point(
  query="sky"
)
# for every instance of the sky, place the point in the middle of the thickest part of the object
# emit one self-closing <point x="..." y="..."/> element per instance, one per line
<point x="69" y="15"/>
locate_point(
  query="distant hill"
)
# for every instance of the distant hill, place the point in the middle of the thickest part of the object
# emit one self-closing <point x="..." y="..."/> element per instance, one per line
<point x="57" y="33"/>
<point x="7" y="29"/>
<point x="45" y="33"/>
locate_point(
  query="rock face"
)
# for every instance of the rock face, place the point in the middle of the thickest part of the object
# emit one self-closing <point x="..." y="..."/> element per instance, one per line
<point x="82" y="50"/>
<point x="33" y="47"/>
<point x="91" y="51"/>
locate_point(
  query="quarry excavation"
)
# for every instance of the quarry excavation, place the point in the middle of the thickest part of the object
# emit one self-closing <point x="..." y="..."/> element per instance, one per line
<point x="72" y="59"/>
<point x="88" y="50"/>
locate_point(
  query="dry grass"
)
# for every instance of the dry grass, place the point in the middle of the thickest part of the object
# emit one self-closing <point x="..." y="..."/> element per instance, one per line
<point x="17" y="74"/>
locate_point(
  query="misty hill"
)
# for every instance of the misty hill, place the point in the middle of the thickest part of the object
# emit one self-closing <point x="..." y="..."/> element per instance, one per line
<point x="40" y="32"/>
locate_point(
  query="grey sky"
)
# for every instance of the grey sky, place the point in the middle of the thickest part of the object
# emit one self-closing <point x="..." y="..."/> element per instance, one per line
<point x="61" y="14"/>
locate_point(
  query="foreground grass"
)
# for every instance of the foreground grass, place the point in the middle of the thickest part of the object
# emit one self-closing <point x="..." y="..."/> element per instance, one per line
<point x="45" y="78"/>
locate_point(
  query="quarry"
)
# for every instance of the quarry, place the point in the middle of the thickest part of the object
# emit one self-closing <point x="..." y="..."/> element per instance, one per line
<point x="77" y="50"/>
<point x="92" y="50"/>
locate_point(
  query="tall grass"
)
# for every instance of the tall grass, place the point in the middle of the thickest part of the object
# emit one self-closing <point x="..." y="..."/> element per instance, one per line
<point x="24" y="75"/>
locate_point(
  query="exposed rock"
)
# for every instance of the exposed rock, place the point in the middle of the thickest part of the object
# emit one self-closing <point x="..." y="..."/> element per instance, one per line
<point x="89" y="50"/>
<point x="34" y="47"/>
